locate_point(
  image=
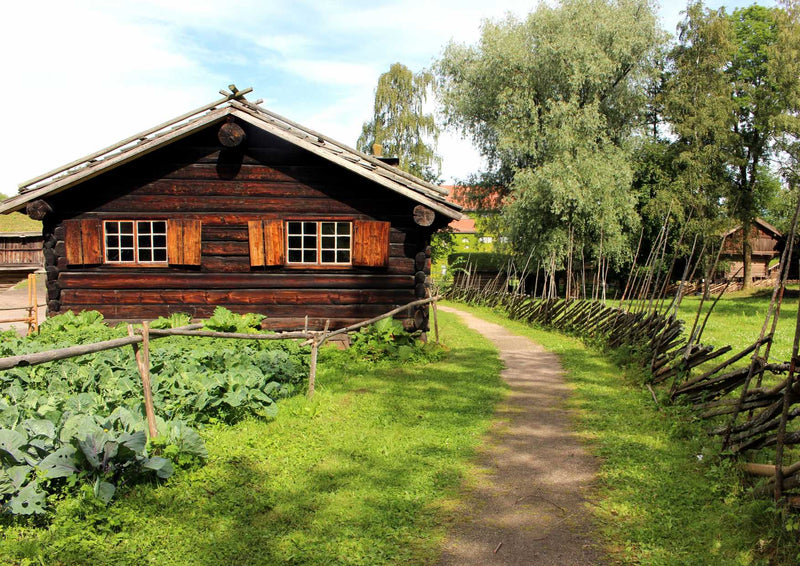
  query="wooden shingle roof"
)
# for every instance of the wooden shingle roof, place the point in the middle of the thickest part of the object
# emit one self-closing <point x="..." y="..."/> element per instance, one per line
<point x="233" y="104"/>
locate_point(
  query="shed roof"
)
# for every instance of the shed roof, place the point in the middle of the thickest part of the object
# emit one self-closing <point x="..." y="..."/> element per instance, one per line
<point x="761" y="223"/>
<point x="233" y="104"/>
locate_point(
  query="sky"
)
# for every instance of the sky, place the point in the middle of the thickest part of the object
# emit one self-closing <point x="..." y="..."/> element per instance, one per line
<point x="79" y="75"/>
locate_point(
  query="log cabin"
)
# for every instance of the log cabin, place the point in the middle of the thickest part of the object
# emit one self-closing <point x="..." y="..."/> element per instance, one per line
<point x="233" y="205"/>
<point x="765" y="243"/>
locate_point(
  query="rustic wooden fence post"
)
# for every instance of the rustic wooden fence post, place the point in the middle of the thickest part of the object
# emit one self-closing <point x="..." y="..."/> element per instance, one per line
<point x="316" y="341"/>
<point x="143" y="361"/>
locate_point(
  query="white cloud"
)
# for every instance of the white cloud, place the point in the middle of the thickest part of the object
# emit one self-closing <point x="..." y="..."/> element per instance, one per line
<point x="330" y="72"/>
<point x="81" y="74"/>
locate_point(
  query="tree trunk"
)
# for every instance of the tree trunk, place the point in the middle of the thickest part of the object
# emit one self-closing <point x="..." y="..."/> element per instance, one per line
<point x="747" y="254"/>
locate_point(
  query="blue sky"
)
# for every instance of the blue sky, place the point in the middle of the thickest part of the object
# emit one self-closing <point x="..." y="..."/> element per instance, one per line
<point x="82" y="74"/>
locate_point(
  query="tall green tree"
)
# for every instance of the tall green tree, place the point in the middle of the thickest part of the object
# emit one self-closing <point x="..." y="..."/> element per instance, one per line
<point x="551" y="102"/>
<point x="400" y="124"/>
<point x="729" y="104"/>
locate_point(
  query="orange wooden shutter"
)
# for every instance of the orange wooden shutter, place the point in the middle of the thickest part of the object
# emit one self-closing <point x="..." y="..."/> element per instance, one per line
<point x="184" y="241"/>
<point x="370" y="243"/>
<point x="82" y="241"/>
<point x="266" y="242"/>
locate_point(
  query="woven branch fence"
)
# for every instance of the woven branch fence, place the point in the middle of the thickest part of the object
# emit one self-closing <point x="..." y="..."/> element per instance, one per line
<point x="732" y="396"/>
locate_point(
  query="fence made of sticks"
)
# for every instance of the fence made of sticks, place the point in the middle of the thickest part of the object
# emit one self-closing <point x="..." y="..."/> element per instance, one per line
<point x="139" y="339"/>
<point x="750" y="416"/>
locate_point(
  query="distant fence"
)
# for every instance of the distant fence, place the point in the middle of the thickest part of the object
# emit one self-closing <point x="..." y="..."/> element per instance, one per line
<point x="32" y="318"/>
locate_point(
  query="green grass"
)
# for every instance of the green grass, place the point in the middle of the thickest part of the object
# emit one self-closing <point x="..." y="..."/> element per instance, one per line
<point x="366" y="473"/>
<point x="664" y="498"/>
<point x="17" y="222"/>
<point x="738" y="317"/>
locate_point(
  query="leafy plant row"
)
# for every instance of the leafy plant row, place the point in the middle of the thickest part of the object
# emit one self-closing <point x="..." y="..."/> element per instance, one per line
<point x="82" y="419"/>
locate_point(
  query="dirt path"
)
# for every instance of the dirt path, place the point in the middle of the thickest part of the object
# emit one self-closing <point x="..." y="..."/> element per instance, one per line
<point x="529" y="506"/>
<point x="14" y="301"/>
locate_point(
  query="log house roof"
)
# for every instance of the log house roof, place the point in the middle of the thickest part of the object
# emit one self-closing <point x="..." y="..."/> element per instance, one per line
<point x="761" y="223"/>
<point x="233" y="104"/>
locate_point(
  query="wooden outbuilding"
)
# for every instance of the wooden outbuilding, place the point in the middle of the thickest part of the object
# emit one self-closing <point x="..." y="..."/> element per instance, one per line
<point x="233" y="205"/>
<point x="765" y="241"/>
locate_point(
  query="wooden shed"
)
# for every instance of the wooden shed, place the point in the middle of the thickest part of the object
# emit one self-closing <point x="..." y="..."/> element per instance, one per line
<point x="765" y="242"/>
<point x="233" y="205"/>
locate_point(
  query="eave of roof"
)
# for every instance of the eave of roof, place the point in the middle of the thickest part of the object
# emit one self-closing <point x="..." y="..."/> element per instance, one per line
<point x="760" y="222"/>
<point x="234" y="104"/>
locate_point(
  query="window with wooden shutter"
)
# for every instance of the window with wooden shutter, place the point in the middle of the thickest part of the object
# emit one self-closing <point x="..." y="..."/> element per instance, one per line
<point x="370" y="243"/>
<point x="184" y="241"/>
<point x="82" y="241"/>
<point x="266" y="242"/>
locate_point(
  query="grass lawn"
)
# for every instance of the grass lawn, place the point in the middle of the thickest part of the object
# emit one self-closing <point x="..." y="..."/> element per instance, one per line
<point x="664" y="498"/>
<point x="738" y="317"/>
<point x="367" y="473"/>
<point x="18" y="222"/>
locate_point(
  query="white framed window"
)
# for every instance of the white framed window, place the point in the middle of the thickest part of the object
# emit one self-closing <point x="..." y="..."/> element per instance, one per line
<point x="485" y="239"/>
<point x="319" y="242"/>
<point x="135" y="241"/>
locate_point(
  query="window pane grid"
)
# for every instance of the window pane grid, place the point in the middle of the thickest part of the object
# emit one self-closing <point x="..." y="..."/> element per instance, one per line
<point x="142" y="241"/>
<point x="318" y="242"/>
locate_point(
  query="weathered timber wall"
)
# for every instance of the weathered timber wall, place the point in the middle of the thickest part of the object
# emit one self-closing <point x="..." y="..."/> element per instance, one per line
<point x="270" y="179"/>
<point x="21" y="250"/>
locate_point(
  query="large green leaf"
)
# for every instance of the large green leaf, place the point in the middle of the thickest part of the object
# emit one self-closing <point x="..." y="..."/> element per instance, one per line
<point x="103" y="490"/>
<point x="39" y="427"/>
<point x="78" y="426"/>
<point x="135" y="442"/>
<point x="28" y="501"/>
<point x="60" y="464"/>
<point x="94" y="447"/>
<point x="12" y="479"/>
<point x="187" y="440"/>
<point x="11" y="444"/>
<point x="161" y="466"/>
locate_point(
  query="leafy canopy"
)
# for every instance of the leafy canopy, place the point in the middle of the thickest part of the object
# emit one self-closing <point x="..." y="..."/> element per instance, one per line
<point x="400" y="124"/>
<point x="551" y="102"/>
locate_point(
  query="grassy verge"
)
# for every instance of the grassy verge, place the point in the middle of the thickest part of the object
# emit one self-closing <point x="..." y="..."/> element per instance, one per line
<point x="366" y="473"/>
<point x="738" y="317"/>
<point x="664" y="498"/>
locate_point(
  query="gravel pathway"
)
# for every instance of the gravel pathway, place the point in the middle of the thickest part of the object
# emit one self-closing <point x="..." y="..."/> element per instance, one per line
<point x="529" y="506"/>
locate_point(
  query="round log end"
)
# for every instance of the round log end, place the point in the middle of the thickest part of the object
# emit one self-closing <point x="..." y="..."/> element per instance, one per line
<point x="231" y="134"/>
<point x="38" y="209"/>
<point x="423" y="215"/>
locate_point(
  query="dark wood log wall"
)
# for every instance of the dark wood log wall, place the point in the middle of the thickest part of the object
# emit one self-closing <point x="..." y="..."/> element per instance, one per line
<point x="20" y="250"/>
<point x="196" y="178"/>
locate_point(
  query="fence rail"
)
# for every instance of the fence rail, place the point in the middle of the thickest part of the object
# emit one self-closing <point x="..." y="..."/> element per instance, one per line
<point x="139" y="339"/>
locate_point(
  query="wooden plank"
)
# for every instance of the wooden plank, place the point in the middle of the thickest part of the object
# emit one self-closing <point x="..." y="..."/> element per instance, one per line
<point x="239" y="296"/>
<point x="279" y="205"/>
<point x="184" y="241"/>
<point x="83" y="242"/>
<point x="151" y="279"/>
<point x="370" y="243"/>
<point x="139" y="312"/>
<point x="233" y="264"/>
<point x="274" y="243"/>
<point x="226" y="248"/>
<point x="216" y="187"/>
<point x="257" y="243"/>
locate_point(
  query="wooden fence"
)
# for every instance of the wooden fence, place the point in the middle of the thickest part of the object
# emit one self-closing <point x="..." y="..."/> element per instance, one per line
<point x="139" y="340"/>
<point x="32" y="318"/>
<point x="746" y="400"/>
